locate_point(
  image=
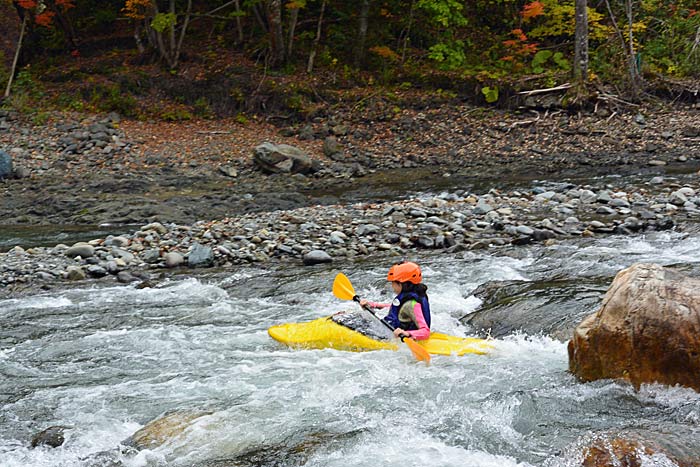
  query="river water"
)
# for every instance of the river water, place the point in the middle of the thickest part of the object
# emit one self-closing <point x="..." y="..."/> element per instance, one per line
<point x="104" y="361"/>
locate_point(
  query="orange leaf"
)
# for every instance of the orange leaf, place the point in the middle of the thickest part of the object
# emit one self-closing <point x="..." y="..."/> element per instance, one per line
<point x="45" y="18"/>
<point x="533" y="9"/>
<point x="27" y="4"/>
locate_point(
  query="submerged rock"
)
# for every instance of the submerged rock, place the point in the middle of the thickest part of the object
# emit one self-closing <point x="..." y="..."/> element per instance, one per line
<point x="647" y="330"/>
<point x="163" y="429"/>
<point x="551" y="307"/>
<point x="52" y="436"/>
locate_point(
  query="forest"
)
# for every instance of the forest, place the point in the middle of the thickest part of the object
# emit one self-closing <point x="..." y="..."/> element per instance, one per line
<point x="211" y="56"/>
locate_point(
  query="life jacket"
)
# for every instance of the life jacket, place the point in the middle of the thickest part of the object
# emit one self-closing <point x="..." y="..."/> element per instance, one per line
<point x="393" y="316"/>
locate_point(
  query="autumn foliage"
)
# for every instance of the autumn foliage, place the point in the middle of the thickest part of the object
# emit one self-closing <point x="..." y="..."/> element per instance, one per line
<point x="43" y="11"/>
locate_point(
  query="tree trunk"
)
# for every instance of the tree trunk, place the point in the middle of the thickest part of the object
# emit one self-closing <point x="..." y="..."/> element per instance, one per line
<point x="407" y="37"/>
<point x="14" y="61"/>
<point x="362" y="34"/>
<point x="185" y="23"/>
<point x="173" y="44"/>
<point x="274" y="17"/>
<point x="238" y="22"/>
<point x="293" y="17"/>
<point x="317" y="39"/>
<point x="581" y="43"/>
<point x="634" y="70"/>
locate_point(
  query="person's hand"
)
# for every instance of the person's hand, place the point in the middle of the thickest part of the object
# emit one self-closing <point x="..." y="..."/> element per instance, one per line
<point x="398" y="332"/>
<point x="364" y="302"/>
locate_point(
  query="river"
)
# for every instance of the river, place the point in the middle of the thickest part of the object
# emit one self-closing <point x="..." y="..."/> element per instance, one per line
<point x="104" y="361"/>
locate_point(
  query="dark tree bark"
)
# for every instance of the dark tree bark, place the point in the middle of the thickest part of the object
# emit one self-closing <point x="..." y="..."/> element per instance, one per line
<point x="362" y="34"/>
<point x="317" y="39"/>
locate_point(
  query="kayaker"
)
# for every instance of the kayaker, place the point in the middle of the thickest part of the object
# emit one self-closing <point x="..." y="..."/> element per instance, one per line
<point x="410" y="309"/>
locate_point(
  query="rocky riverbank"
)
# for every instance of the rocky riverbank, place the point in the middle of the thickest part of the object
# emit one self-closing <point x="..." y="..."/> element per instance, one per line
<point x="450" y="222"/>
<point x="207" y="197"/>
<point x="76" y="169"/>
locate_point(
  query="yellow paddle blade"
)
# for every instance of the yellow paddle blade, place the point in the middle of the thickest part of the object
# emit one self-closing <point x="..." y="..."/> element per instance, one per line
<point x="342" y="287"/>
<point x="419" y="352"/>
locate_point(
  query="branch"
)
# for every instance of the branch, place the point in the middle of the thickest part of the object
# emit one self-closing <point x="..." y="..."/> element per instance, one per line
<point x="561" y="87"/>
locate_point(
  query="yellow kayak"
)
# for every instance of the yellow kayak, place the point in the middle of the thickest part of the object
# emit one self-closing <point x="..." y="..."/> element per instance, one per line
<point x="325" y="333"/>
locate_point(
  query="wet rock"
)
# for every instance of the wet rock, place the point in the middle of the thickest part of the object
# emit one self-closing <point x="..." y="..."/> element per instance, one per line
<point x="317" y="257"/>
<point x="52" y="436"/>
<point x="163" y="429"/>
<point x="550" y="307"/>
<point x="635" y="450"/>
<point x="647" y="330"/>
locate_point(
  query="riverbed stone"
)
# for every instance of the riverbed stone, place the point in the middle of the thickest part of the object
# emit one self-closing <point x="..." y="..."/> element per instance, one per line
<point x="75" y="273"/>
<point x="647" y="330"/>
<point x="174" y="259"/>
<point x="317" y="257"/>
<point x="84" y="250"/>
<point x="200" y="256"/>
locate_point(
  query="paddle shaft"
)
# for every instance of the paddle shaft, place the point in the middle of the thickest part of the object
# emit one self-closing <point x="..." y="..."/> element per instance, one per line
<point x="368" y="308"/>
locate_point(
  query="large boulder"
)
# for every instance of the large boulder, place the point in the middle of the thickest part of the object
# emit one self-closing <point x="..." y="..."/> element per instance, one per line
<point x="282" y="158"/>
<point x="647" y="330"/>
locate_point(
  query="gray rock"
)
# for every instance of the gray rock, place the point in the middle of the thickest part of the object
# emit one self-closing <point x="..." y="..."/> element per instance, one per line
<point x="156" y="226"/>
<point x="524" y="230"/>
<point x="126" y="256"/>
<point x="125" y="277"/>
<point x="150" y="256"/>
<point x="173" y="259"/>
<point x="332" y="149"/>
<point x="75" y="273"/>
<point x="200" y="256"/>
<point x="317" y="257"/>
<point x="5" y="165"/>
<point x="95" y="270"/>
<point x="678" y="198"/>
<point x="83" y="250"/>
<point x="282" y="158"/>
<point x="228" y="170"/>
<point x="22" y="172"/>
<point x="367" y="229"/>
<point x="482" y="207"/>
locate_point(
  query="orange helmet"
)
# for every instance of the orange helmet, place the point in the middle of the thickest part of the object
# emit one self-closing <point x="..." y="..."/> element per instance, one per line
<point x="405" y="272"/>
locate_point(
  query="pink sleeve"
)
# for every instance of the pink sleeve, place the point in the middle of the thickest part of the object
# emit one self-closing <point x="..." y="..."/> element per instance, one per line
<point x="423" y="331"/>
<point x="380" y="305"/>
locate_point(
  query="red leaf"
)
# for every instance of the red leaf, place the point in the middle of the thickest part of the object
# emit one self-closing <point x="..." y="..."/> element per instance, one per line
<point x="44" y="18"/>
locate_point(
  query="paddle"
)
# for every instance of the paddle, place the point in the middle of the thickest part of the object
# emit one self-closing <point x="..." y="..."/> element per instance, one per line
<point x="342" y="288"/>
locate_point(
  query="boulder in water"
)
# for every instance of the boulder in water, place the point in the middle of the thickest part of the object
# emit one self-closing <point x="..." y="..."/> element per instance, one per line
<point x="647" y="330"/>
<point x="52" y="436"/>
<point x="163" y="429"/>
